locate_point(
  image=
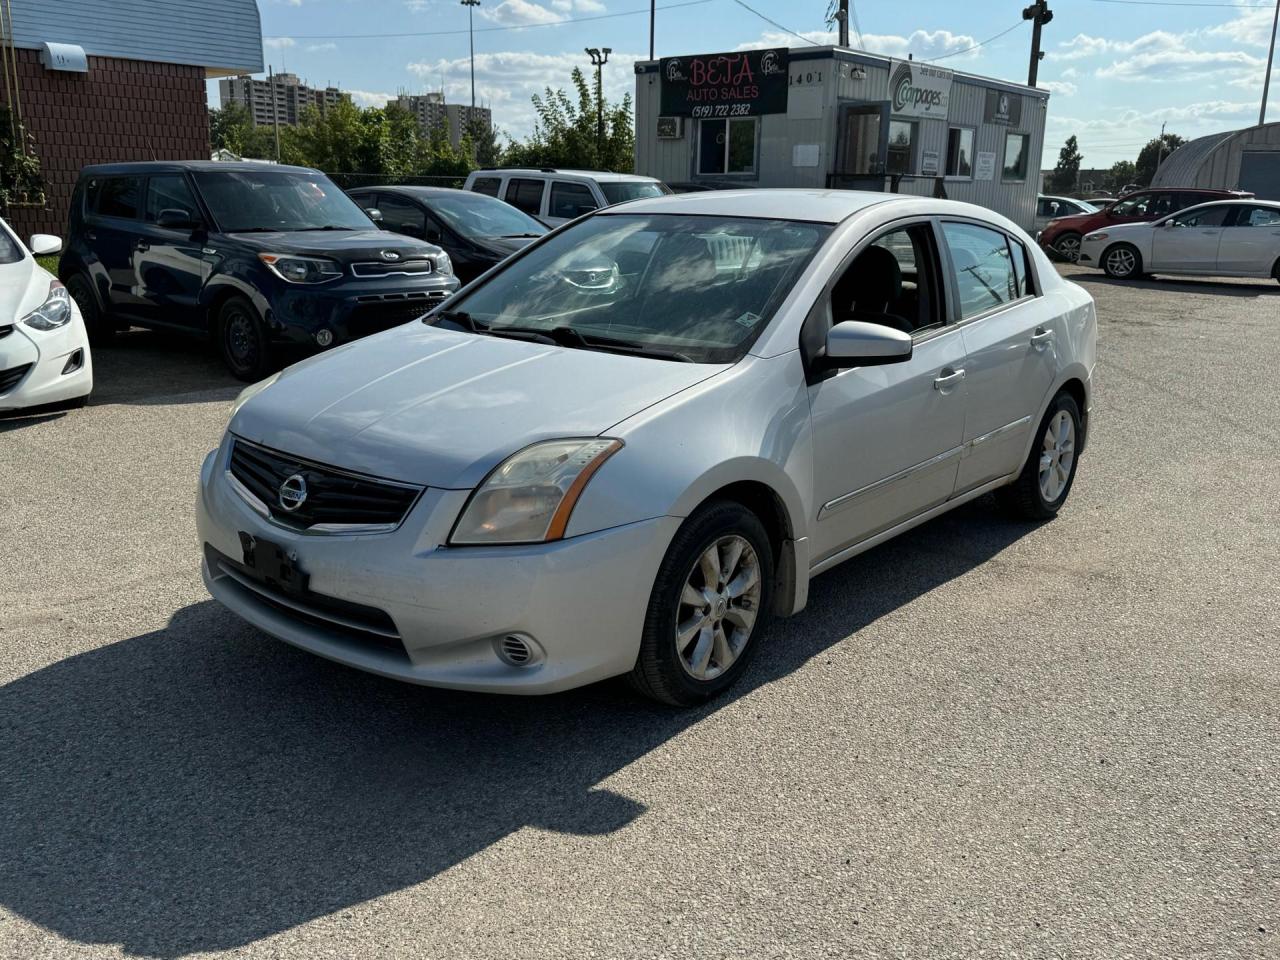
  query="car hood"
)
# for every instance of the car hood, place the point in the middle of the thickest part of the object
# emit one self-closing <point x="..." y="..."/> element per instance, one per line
<point x="442" y="408"/>
<point x="348" y="246"/>
<point x="1076" y="221"/>
<point x="23" y="287"/>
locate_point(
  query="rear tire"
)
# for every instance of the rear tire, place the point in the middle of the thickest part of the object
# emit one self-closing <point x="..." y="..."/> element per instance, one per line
<point x="699" y="635"/>
<point x="1122" y="261"/>
<point x="243" y="341"/>
<point x="97" y="324"/>
<point x="1045" y="481"/>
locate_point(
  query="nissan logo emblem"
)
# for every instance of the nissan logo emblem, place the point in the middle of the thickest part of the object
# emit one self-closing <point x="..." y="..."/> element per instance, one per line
<point x="293" y="492"/>
<point x="390" y="255"/>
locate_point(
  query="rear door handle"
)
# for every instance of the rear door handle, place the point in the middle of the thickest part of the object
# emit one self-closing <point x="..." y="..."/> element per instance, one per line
<point x="945" y="381"/>
<point x="142" y="246"/>
<point x="1041" y="338"/>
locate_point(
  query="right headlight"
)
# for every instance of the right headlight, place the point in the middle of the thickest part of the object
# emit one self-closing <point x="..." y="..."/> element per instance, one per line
<point x="301" y="269"/>
<point x="54" y="312"/>
<point x="529" y="497"/>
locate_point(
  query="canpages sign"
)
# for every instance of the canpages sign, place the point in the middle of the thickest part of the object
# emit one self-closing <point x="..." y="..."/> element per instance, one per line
<point x="919" y="90"/>
<point x="741" y="84"/>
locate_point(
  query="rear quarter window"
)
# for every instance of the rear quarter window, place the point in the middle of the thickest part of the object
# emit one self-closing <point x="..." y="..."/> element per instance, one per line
<point x="486" y="185"/>
<point x="115" y="197"/>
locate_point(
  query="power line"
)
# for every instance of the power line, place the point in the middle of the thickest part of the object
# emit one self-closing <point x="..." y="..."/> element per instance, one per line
<point x="774" y="23"/>
<point x="980" y="43"/>
<point x="1188" y="3"/>
<point x="447" y="33"/>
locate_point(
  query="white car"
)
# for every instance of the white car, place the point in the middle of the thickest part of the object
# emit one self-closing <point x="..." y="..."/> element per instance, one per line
<point x="558" y="196"/>
<point x="623" y="449"/>
<point x="1226" y="238"/>
<point x="44" y="351"/>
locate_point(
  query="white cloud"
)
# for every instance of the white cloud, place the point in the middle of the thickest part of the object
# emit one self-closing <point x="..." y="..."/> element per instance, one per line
<point x="1252" y="27"/>
<point x="1181" y="64"/>
<point x="517" y="13"/>
<point x="1082" y="46"/>
<point x="321" y="47"/>
<point x="507" y="80"/>
<point x="369" y="98"/>
<point x="278" y="43"/>
<point x="1070" y="73"/>
<point x="1062" y="88"/>
<point x="922" y="44"/>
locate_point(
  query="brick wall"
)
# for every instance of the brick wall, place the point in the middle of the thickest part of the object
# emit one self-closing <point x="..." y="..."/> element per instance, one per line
<point x="119" y="110"/>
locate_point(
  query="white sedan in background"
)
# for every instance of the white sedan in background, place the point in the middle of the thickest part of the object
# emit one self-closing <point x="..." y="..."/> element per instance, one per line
<point x="44" y="351"/>
<point x="1227" y="238"/>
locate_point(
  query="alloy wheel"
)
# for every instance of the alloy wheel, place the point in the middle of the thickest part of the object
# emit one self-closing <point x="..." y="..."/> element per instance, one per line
<point x="1069" y="249"/>
<point x="1057" y="456"/>
<point x="718" y="607"/>
<point x="1121" y="261"/>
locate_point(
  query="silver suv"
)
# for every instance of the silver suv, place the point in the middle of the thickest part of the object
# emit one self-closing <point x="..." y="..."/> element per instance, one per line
<point x="558" y="196"/>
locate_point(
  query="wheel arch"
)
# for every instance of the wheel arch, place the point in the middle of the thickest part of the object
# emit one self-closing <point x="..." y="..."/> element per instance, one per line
<point x="216" y="295"/>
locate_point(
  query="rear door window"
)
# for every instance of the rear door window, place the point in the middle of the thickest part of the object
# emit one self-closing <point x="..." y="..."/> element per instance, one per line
<point x="486" y="185"/>
<point x="983" y="270"/>
<point x="1257" y="217"/>
<point x="570" y="200"/>
<point x="402" y="216"/>
<point x="525" y="195"/>
<point x="116" y="197"/>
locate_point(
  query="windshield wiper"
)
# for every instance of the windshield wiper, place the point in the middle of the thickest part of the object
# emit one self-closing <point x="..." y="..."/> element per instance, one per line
<point x="259" y="230"/>
<point x="327" y="226"/>
<point x="566" y="336"/>
<point x="517" y="236"/>
<point x="458" y="317"/>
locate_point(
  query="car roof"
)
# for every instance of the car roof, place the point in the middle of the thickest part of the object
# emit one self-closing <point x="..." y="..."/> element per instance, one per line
<point x="817" y="206"/>
<point x="601" y="176"/>
<point x="175" y="166"/>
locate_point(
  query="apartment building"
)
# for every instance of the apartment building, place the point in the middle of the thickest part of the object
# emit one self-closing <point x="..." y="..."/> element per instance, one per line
<point x="432" y="112"/>
<point x="281" y="97"/>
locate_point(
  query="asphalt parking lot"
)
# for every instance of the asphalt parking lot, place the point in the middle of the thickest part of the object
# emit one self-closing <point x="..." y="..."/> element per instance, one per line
<point x="984" y="738"/>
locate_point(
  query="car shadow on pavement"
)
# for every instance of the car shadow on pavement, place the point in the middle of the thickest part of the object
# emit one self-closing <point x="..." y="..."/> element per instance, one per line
<point x="158" y="367"/>
<point x="1223" y="287"/>
<point x="16" y="419"/>
<point x="204" y="786"/>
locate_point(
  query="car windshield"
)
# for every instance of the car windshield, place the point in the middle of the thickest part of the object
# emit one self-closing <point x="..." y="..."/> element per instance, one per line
<point x="283" y="200"/>
<point x="1086" y="207"/>
<point x="677" y="286"/>
<point x="624" y="190"/>
<point x="475" y="215"/>
<point x="10" y="250"/>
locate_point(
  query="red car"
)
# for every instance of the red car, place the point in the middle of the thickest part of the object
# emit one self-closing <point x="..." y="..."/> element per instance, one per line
<point x="1062" y="237"/>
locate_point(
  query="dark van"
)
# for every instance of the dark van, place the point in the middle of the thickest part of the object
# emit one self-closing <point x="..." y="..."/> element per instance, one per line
<point x="267" y="260"/>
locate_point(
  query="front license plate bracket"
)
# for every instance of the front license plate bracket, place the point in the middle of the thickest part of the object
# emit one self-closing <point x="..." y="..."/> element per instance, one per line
<point x="273" y="563"/>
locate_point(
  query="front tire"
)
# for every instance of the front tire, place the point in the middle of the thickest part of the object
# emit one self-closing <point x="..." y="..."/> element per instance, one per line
<point x="1122" y="262"/>
<point x="243" y="341"/>
<point x="710" y="603"/>
<point x="1045" y="481"/>
<point x="1067" y="247"/>
<point x="100" y="328"/>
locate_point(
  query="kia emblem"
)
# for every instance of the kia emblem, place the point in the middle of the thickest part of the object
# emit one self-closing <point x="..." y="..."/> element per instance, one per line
<point x="390" y="255"/>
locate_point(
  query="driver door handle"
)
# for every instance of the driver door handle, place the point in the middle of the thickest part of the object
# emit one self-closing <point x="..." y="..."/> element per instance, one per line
<point x="945" y="381"/>
<point x="1041" y="338"/>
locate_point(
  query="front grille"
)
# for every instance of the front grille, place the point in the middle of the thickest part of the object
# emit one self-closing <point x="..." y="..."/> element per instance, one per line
<point x="12" y="377"/>
<point x="400" y="268"/>
<point x="373" y="315"/>
<point x="364" y="625"/>
<point x="334" y="498"/>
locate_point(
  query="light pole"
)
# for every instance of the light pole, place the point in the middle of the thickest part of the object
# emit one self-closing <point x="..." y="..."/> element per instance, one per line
<point x="1266" y="84"/>
<point x="471" y="35"/>
<point x="599" y="57"/>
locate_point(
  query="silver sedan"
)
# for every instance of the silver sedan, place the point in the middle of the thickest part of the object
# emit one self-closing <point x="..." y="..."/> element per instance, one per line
<point x="623" y="450"/>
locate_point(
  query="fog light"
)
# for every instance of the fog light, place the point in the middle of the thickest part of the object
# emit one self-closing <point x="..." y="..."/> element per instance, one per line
<point x="517" y="650"/>
<point x="324" y="337"/>
<point x="74" y="363"/>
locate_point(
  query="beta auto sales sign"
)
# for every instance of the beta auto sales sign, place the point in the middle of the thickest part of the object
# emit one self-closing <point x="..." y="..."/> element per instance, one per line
<point x="919" y="90"/>
<point x="740" y="84"/>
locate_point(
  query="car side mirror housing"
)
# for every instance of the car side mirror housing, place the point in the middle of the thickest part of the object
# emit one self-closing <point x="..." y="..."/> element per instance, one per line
<point x="432" y="235"/>
<point x="175" y="219"/>
<point x="374" y="214"/>
<point x="45" y="245"/>
<point x="856" y="343"/>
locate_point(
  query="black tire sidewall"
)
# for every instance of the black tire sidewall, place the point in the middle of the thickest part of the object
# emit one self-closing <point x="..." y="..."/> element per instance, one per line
<point x="97" y="326"/>
<point x="247" y="372"/>
<point x="658" y="649"/>
<point x="1063" y="401"/>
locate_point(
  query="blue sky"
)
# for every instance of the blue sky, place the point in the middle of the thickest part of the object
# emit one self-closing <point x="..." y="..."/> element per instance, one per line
<point x="1116" y="68"/>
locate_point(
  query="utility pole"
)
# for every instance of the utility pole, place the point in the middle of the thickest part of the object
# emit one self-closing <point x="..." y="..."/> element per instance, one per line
<point x="1266" y="84"/>
<point x="1159" y="151"/>
<point x="471" y="34"/>
<point x="599" y="57"/>
<point x="275" y="109"/>
<point x="842" y="18"/>
<point x="1039" y="14"/>
<point x="653" y="11"/>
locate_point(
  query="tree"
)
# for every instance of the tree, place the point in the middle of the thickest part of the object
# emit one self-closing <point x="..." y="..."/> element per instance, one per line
<point x="1067" y="173"/>
<point x="484" y="138"/>
<point x="565" y="132"/>
<point x="1152" y="155"/>
<point x="1122" y="173"/>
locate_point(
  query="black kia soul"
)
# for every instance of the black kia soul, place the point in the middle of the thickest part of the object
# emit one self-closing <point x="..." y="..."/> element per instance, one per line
<point x="270" y="261"/>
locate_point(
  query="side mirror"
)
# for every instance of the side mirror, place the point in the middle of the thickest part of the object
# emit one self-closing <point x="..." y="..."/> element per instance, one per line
<point x="432" y="235"/>
<point x="175" y="219"/>
<point x="856" y="343"/>
<point x="374" y="214"/>
<point x="45" y="245"/>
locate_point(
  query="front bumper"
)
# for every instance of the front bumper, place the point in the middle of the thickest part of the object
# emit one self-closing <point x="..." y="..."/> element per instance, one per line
<point x="45" y="355"/>
<point x="442" y="610"/>
<point x="351" y="308"/>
